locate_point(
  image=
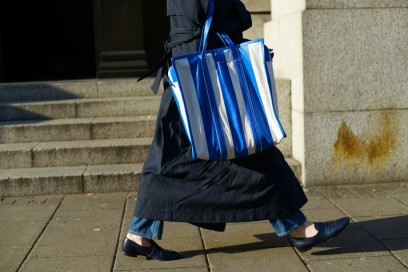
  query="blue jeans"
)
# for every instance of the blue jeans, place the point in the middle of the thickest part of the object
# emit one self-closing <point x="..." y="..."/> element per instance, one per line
<point x="153" y="229"/>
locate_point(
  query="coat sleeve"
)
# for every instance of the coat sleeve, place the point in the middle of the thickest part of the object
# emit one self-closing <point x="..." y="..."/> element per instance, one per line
<point x="229" y="15"/>
<point x="194" y="10"/>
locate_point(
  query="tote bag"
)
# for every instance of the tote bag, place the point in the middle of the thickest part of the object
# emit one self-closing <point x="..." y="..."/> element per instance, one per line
<point x="227" y="97"/>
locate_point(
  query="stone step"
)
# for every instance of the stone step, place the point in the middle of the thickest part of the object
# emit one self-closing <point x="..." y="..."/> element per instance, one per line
<point x="74" y="89"/>
<point x="77" y="129"/>
<point x="74" y="153"/>
<point x="80" y="108"/>
<point x="77" y="179"/>
<point x="69" y="180"/>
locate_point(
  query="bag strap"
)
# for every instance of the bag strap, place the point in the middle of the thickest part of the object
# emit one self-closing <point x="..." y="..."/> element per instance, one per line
<point x="207" y="25"/>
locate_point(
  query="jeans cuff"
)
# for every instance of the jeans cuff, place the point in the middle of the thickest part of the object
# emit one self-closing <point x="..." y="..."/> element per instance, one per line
<point x="294" y="227"/>
<point x="145" y="235"/>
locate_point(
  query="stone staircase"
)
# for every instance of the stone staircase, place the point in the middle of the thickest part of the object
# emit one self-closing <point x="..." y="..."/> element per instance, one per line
<point x="76" y="137"/>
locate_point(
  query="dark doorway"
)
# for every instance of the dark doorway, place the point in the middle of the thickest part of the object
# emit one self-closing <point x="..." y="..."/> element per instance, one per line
<point x="46" y="40"/>
<point x="158" y="25"/>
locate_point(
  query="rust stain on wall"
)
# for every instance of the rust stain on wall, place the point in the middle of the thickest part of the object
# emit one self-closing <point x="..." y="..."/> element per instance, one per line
<point x="371" y="147"/>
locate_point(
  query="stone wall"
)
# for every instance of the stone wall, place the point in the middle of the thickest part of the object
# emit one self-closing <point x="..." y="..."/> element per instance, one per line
<point x="347" y="61"/>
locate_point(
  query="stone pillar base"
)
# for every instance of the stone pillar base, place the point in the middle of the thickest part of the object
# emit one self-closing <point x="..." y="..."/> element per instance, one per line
<point x="347" y="62"/>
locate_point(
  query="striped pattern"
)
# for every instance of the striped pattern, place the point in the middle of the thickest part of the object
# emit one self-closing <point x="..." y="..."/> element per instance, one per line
<point x="227" y="100"/>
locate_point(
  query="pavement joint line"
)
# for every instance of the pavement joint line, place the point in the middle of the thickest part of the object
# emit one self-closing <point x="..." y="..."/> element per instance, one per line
<point x="337" y="206"/>
<point x="207" y="261"/>
<point x="382" y="244"/>
<point x="395" y="256"/>
<point x="119" y="233"/>
<point x="39" y="236"/>
<point x="305" y="263"/>
<point x="390" y="195"/>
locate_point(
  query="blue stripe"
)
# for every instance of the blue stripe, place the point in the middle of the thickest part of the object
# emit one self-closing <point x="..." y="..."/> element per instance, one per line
<point x="231" y="105"/>
<point x="248" y="99"/>
<point x="220" y="152"/>
<point x="263" y="125"/>
<point x="195" y="66"/>
<point x="186" y="123"/>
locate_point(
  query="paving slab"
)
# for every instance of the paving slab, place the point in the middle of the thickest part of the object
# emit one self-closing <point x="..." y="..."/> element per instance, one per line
<point x="381" y="263"/>
<point x="398" y="191"/>
<point x="22" y="222"/>
<point x="92" y="226"/>
<point x="385" y="228"/>
<point x="65" y="243"/>
<point x="317" y="215"/>
<point x="276" y="259"/>
<point x="189" y="269"/>
<point x="19" y="213"/>
<point x="20" y="233"/>
<point x="243" y="236"/>
<point x="353" y="242"/>
<point x="12" y="257"/>
<point x="86" y="220"/>
<point x="57" y="264"/>
<point x="90" y="202"/>
<point x="317" y="201"/>
<point x="368" y="205"/>
<point x="399" y="248"/>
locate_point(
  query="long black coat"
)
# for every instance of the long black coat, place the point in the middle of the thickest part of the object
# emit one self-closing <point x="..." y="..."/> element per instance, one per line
<point x="173" y="186"/>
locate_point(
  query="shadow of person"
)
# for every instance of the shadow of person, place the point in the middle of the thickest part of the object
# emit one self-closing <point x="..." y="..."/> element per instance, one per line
<point x="378" y="235"/>
<point x="369" y="235"/>
<point x="267" y="240"/>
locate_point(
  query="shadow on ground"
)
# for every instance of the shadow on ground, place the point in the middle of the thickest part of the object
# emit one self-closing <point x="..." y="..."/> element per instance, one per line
<point x="375" y="235"/>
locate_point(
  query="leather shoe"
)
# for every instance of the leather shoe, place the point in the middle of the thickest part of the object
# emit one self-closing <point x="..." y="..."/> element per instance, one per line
<point x="326" y="231"/>
<point x="132" y="249"/>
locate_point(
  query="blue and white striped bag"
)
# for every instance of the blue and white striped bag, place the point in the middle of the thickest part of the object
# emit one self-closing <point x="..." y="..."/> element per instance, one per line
<point x="227" y="98"/>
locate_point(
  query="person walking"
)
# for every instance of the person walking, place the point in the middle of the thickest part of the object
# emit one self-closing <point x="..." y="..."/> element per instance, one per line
<point x="176" y="187"/>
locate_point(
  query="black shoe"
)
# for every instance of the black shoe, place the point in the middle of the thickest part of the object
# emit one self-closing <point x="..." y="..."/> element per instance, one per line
<point x="130" y="248"/>
<point x="327" y="231"/>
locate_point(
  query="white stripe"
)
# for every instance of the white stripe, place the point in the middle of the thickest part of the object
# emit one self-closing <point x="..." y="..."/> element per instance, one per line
<point x="193" y="107"/>
<point x="274" y="94"/>
<point x="249" y="137"/>
<point x="221" y="110"/>
<point x="256" y="52"/>
<point x="176" y="91"/>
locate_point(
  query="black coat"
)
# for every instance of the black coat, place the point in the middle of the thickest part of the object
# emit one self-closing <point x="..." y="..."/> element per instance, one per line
<point x="173" y="186"/>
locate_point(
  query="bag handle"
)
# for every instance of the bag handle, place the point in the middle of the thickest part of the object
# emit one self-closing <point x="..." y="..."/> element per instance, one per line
<point x="225" y="38"/>
<point x="207" y="25"/>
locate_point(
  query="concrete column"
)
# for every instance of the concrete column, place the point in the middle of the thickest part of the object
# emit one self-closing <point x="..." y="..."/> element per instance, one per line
<point x="347" y="61"/>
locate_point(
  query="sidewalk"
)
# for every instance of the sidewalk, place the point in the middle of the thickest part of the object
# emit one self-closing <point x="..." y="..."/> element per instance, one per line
<point x="84" y="232"/>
